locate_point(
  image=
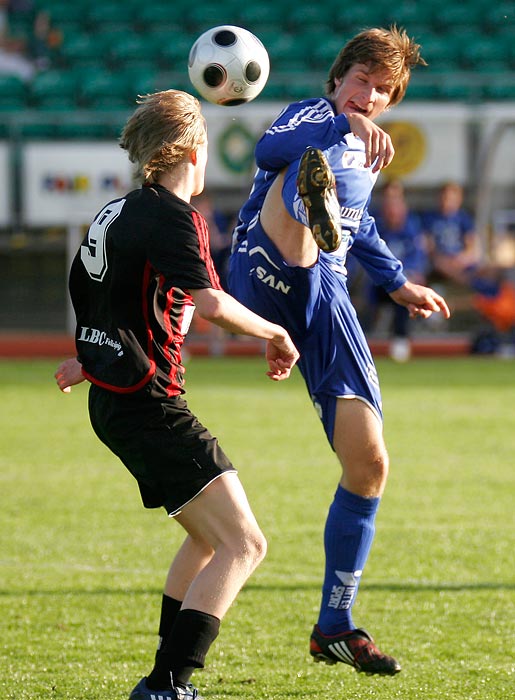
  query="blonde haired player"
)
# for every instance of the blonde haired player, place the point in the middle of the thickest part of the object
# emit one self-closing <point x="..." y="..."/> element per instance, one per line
<point x="140" y="273"/>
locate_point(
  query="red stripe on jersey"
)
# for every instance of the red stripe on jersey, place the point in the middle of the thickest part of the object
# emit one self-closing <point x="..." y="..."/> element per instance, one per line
<point x="172" y="388"/>
<point x="205" y="252"/>
<point x="145" y="283"/>
<point x="125" y="389"/>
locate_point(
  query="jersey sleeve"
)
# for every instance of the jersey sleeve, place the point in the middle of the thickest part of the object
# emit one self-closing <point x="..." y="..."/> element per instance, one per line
<point x="179" y="250"/>
<point x="382" y="266"/>
<point x="300" y="125"/>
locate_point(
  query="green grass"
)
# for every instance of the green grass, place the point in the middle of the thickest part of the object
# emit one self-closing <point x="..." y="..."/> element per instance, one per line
<point x="83" y="563"/>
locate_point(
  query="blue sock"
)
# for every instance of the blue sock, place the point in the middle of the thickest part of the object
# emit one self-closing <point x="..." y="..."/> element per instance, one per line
<point x="348" y="536"/>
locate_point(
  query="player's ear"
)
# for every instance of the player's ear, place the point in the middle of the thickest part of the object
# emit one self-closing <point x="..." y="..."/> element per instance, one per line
<point x="193" y="157"/>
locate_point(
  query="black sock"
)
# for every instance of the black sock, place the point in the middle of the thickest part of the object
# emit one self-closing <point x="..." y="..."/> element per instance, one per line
<point x="169" y="609"/>
<point x="185" y="649"/>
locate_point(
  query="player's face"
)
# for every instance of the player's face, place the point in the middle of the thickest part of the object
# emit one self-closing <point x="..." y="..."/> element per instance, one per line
<point x="363" y="90"/>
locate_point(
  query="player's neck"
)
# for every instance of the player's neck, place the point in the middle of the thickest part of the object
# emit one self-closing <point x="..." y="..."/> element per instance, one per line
<point x="179" y="182"/>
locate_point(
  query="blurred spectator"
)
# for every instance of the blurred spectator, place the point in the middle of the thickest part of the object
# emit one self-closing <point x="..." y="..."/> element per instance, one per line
<point x="44" y="40"/>
<point x="452" y="240"/>
<point x="401" y="229"/>
<point x="32" y="51"/>
<point x="13" y="58"/>
<point x="494" y="300"/>
<point x="220" y="231"/>
<point x="219" y="234"/>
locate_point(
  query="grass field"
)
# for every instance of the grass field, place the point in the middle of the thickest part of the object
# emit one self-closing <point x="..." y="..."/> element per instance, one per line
<point x="83" y="563"/>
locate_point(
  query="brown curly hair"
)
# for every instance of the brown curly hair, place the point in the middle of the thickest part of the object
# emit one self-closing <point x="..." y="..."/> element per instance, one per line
<point x="390" y="49"/>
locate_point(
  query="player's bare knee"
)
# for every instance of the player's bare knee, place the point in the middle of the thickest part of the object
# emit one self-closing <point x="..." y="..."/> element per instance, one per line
<point x="256" y="548"/>
<point x="250" y="550"/>
<point x="378" y="468"/>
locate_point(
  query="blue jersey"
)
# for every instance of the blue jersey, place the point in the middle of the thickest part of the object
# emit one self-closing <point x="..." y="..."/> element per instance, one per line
<point x="406" y="243"/>
<point x="314" y="123"/>
<point x="448" y="231"/>
<point x="313" y="303"/>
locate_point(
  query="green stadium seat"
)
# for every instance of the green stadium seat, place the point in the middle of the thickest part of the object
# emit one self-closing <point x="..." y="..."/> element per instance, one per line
<point x="81" y="48"/>
<point x="421" y="91"/>
<point x="53" y="87"/>
<point x="287" y="52"/>
<point x="324" y="53"/>
<point x="405" y="14"/>
<point x="441" y="53"/>
<point x="482" y="50"/>
<point x="99" y="86"/>
<point x="151" y="14"/>
<point x="452" y="87"/>
<point x="303" y="17"/>
<point x="199" y="18"/>
<point x="500" y="88"/>
<point x="348" y="19"/>
<point x="13" y="92"/>
<point x="110" y="14"/>
<point x="256" y="15"/>
<point x="123" y="47"/>
<point x="458" y="14"/>
<point x="66" y="11"/>
<point x="173" y="54"/>
<point x="500" y="17"/>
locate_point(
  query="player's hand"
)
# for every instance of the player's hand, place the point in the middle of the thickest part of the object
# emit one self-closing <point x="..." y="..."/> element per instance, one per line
<point x="379" y="148"/>
<point x="281" y="355"/>
<point x="69" y="373"/>
<point x="420" y="301"/>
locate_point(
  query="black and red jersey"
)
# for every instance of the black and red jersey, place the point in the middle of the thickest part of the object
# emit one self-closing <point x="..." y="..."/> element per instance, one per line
<point x="129" y="284"/>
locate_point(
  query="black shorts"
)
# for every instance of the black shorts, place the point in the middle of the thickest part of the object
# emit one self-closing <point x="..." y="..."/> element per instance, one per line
<point x="170" y="453"/>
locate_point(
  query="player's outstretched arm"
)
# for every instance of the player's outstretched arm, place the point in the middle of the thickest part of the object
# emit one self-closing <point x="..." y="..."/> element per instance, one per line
<point x="378" y="144"/>
<point x="69" y="373"/>
<point x="420" y="301"/>
<point x="225" y="311"/>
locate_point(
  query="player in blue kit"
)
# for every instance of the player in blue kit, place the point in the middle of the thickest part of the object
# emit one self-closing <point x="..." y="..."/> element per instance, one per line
<point x="317" y="165"/>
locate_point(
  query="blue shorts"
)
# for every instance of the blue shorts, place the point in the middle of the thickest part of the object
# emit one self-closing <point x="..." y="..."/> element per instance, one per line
<point x="313" y="304"/>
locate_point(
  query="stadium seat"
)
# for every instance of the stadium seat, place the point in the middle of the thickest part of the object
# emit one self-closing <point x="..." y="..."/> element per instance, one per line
<point x="53" y="88"/>
<point x="125" y="47"/>
<point x="173" y="54"/>
<point x="287" y="52"/>
<point x="13" y="92"/>
<point x="349" y="19"/>
<point x="99" y="86"/>
<point x="81" y="48"/>
<point x="441" y="53"/>
<point x="421" y="91"/>
<point x="65" y="11"/>
<point x="150" y="14"/>
<point x="458" y="14"/>
<point x="405" y="14"/>
<point x="500" y="88"/>
<point x="199" y="18"/>
<point x="109" y="15"/>
<point x="257" y="15"/>
<point x="325" y="52"/>
<point x="453" y="87"/>
<point x="482" y="50"/>
<point x="302" y="18"/>
<point x="500" y="17"/>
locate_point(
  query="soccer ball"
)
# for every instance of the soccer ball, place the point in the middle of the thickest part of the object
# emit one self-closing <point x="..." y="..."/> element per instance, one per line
<point x="228" y="65"/>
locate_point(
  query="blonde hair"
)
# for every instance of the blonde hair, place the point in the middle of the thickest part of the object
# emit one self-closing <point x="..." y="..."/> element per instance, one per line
<point x="162" y="132"/>
<point x="389" y="49"/>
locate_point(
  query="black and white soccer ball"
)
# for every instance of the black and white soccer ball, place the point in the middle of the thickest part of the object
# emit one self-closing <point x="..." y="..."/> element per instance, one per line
<point x="228" y="65"/>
